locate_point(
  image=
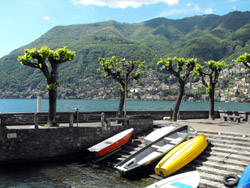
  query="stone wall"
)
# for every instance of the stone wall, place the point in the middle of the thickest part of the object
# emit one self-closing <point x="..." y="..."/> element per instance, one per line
<point x="63" y="117"/>
<point x="29" y="144"/>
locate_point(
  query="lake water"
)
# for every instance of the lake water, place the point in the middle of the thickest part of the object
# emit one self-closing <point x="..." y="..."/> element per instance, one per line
<point x="81" y="174"/>
<point x="65" y="175"/>
<point x="30" y="105"/>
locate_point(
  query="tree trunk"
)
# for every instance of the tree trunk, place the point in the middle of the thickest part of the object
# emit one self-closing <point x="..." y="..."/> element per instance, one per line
<point x="178" y="102"/>
<point x="211" y="104"/>
<point x="120" y="108"/>
<point x="52" y="107"/>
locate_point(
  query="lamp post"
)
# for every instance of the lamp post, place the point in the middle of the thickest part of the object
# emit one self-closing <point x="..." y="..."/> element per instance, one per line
<point x="126" y="67"/>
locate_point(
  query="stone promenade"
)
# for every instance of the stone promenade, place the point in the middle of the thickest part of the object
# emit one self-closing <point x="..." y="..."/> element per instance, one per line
<point x="211" y="125"/>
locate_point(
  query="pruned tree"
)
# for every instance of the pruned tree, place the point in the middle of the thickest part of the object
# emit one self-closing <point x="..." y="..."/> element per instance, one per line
<point x="181" y="69"/>
<point x="212" y="75"/>
<point x="48" y="61"/>
<point x="122" y="71"/>
<point x="245" y="60"/>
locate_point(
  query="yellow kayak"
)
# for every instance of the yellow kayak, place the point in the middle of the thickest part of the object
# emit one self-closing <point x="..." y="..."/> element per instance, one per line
<point x="181" y="155"/>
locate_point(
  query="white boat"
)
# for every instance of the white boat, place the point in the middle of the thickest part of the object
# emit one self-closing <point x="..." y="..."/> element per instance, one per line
<point x="153" y="152"/>
<point x="158" y="133"/>
<point x="187" y="180"/>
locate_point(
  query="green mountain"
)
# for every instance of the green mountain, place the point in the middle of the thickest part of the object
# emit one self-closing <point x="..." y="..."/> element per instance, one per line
<point x="208" y="37"/>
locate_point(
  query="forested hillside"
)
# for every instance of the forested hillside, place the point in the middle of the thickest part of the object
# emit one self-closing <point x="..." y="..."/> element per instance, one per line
<point x="208" y="37"/>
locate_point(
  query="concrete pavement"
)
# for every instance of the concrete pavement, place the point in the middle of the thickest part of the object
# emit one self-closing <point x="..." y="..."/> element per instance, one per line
<point x="217" y="125"/>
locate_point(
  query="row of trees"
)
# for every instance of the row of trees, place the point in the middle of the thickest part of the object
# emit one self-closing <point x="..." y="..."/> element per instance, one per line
<point x="123" y="71"/>
<point x="179" y="67"/>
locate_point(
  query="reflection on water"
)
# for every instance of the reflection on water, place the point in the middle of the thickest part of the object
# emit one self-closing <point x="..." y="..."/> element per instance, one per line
<point x="65" y="175"/>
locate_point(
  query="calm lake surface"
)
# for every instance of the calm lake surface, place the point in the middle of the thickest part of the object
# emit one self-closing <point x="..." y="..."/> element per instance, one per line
<point x="30" y="105"/>
<point x="81" y="174"/>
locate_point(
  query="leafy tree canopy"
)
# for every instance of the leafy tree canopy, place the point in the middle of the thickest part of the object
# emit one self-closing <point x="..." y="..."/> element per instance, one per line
<point x="212" y="74"/>
<point x="183" y="67"/>
<point x="244" y="59"/>
<point x="118" y="68"/>
<point x="39" y="59"/>
<point x="59" y="56"/>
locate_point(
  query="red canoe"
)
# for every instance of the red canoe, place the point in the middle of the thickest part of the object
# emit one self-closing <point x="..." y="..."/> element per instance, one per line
<point x="111" y="143"/>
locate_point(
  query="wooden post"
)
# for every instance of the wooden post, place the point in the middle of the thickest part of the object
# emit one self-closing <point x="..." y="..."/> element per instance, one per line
<point x="71" y="119"/>
<point x="36" y="120"/>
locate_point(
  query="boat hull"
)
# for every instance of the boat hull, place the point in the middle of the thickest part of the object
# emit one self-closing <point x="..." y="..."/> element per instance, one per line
<point x="152" y="153"/>
<point x="244" y="181"/>
<point x="111" y="144"/>
<point x="181" y="155"/>
<point x="188" y="180"/>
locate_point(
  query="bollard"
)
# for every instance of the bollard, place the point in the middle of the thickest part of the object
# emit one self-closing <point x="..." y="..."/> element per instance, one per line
<point x="39" y="104"/>
<point x="103" y="119"/>
<point x="36" y="120"/>
<point x="71" y="119"/>
<point x="77" y="115"/>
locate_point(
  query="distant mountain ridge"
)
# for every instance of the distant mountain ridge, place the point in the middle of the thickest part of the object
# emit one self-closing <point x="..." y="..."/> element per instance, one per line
<point x="207" y="37"/>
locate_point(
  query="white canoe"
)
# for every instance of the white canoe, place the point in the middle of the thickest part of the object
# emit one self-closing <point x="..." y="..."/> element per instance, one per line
<point x="158" y="133"/>
<point x="187" y="180"/>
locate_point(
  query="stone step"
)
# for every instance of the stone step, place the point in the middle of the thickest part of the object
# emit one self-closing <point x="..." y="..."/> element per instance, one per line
<point x="131" y="147"/>
<point x="222" y="133"/>
<point x="231" y="147"/>
<point x="238" y="156"/>
<point x="224" y="137"/>
<point x="230" y="150"/>
<point x="229" y="138"/>
<point x="212" y="177"/>
<point x="229" y="142"/>
<point x="224" y="160"/>
<point x="204" y="183"/>
<point x="219" y="165"/>
<point x="206" y="171"/>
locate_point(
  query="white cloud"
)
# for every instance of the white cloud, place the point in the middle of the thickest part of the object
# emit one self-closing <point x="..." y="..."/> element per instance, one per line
<point x="123" y="3"/>
<point x="189" y="5"/>
<point x="208" y="11"/>
<point x="232" y="1"/>
<point x="46" y="17"/>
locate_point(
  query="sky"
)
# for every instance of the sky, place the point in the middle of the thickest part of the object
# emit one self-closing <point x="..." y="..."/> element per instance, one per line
<point x="23" y="21"/>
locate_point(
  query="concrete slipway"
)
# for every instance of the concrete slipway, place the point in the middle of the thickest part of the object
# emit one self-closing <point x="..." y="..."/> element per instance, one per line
<point x="227" y="153"/>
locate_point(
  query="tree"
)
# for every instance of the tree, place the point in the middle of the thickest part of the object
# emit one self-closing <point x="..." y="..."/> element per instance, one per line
<point x="245" y="60"/>
<point x="212" y="78"/>
<point x="123" y="71"/>
<point x="182" y="71"/>
<point x="48" y="61"/>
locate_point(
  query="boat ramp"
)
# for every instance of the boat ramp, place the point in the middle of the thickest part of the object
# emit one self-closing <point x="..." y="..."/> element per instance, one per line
<point x="226" y="153"/>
